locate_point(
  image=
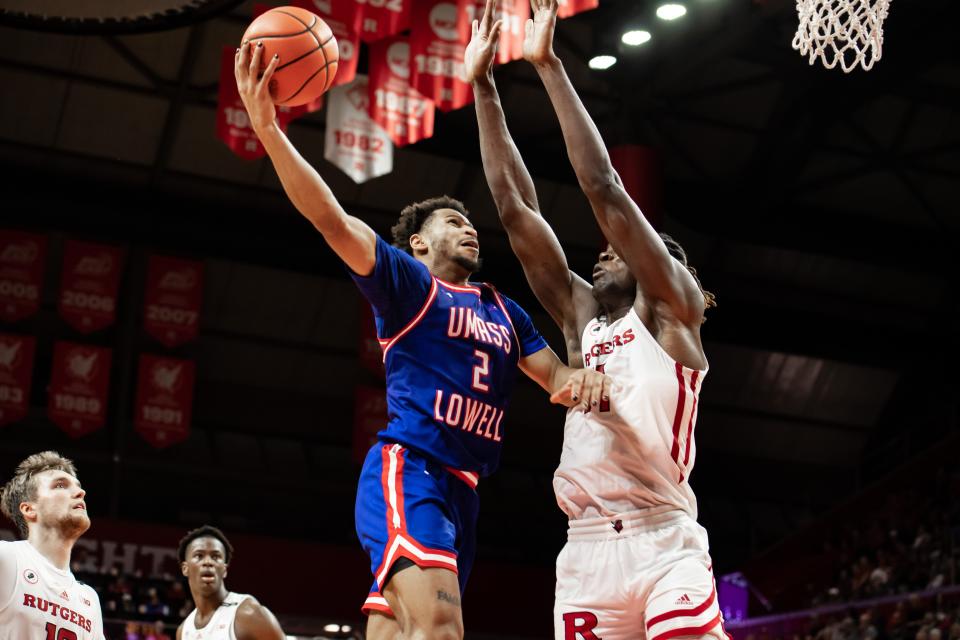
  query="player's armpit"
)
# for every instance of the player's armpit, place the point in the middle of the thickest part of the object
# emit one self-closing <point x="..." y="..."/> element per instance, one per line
<point x="255" y="622"/>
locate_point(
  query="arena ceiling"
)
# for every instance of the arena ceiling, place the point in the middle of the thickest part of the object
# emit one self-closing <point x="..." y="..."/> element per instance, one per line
<point x="822" y="208"/>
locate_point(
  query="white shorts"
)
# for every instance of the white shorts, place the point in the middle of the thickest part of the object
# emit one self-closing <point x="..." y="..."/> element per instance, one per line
<point x="648" y="577"/>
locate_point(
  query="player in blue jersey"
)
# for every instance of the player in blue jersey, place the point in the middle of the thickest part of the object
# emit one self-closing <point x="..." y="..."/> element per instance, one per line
<point x="451" y="352"/>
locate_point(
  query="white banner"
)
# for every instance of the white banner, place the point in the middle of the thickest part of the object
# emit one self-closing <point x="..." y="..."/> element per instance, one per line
<point x="354" y="142"/>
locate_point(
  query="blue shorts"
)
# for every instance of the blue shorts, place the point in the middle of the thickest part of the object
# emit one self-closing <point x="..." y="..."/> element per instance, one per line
<point x="411" y="507"/>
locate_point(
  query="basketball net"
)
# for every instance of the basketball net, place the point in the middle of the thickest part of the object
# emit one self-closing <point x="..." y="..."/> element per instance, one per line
<point x="848" y="32"/>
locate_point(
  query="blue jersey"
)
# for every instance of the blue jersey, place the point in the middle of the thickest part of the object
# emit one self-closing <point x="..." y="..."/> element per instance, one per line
<point x="451" y="355"/>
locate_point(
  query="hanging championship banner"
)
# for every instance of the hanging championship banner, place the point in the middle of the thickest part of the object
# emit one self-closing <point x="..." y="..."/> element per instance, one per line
<point x="88" y="285"/>
<point x="16" y="372"/>
<point x="233" y="123"/>
<point x="573" y="7"/>
<point x="343" y="17"/>
<point x="164" y="400"/>
<point x="171" y="311"/>
<point x="514" y="14"/>
<point x="401" y="110"/>
<point x="383" y="18"/>
<point x="22" y="259"/>
<point x="437" y="42"/>
<point x="369" y="418"/>
<point x="79" y="386"/>
<point x="354" y="143"/>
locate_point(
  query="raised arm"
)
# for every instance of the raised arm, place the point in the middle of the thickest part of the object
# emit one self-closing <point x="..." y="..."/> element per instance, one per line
<point x="349" y="237"/>
<point x="620" y="219"/>
<point x="532" y="239"/>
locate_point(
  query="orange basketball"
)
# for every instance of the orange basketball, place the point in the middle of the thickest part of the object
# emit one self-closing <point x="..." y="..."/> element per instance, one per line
<point x="307" y="49"/>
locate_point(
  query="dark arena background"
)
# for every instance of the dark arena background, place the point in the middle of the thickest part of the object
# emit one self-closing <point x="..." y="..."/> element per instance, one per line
<point x="821" y="207"/>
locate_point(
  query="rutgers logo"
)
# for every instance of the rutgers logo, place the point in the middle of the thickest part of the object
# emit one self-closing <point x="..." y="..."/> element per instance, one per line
<point x="182" y="280"/>
<point x="99" y="265"/>
<point x="323" y="6"/>
<point x="443" y="21"/>
<point x="398" y="59"/>
<point x="9" y="352"/>
<point x="359" y="97"/>
<point x="166" y="377"/>
<point x="579" y="625"/>
<point x="25" y="253"/>
<point x="82" y="364"/>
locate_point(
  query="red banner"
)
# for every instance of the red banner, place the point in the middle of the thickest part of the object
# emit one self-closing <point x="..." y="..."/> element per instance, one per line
<point x="405" y="114"/>
<point x="514" y="14"/>
<point x="22" y="259"/>
<point x="437" y="41"/>
<point x="164" y="400"/>
<point x="369" y="417"/>
<point x="573" y="7"/>
<point x="343" y="17"/>
<point x="79" y="386"/>
<point x="353" y="142"/>
<point x="233" y="123"/>
<point x="171" y="312"/>
<point x="16" y="372"/>
<point x="88" y="285"/>
<point x="383" y="18"/>
<point x="642" y="177"/>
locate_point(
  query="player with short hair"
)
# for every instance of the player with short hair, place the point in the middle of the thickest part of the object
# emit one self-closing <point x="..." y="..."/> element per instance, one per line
<point x="205" y="555"/>
<point x="451" y="352"/>
<point x="636" y="563"/>
<point x="39" y="596"/>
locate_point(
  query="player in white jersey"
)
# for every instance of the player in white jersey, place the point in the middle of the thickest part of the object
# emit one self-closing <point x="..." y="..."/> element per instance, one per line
<point x="205" y="555"/>
<point x="636" y="563"/>
<point x="39" y="597"/>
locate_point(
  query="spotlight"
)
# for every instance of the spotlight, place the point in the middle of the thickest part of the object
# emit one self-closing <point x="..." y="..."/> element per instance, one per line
<point x="636" y="37"/>
<point x="602" y="62"/>
<point x="331" y="628"/>
<point x="671" y="11"/>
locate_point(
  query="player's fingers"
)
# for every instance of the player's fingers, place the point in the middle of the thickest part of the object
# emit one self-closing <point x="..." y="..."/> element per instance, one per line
<point x="562" y="395"/>
<point x="495" y="31"/>
<point x="605" y="389"/>
<point x="475" y="28"/>
<point x="242" y="61"/>
<point x="255" y="60"/>
<point x="264" y="84"/>
<point x="488" y="12"/>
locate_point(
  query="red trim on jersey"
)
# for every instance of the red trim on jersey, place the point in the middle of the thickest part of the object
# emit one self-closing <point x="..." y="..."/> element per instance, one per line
<point x="690" y="631"/>
<point x="471" y="478"/>
<point x="503" y="307"/>
<point x="693" y="412"/>
<point x="416" y="320"/>
<point x="678" y="415"/>
<point x="400" y="543"/>
<point x="456" y="287"/>
<point x="677" y="613"/>
<point x="373" y="603"/>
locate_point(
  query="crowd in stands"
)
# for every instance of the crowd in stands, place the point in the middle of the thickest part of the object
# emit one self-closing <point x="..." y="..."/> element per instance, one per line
<point x="912" y="618"/>
<point x="149" y="608"/>
<point x="910" y="544"/>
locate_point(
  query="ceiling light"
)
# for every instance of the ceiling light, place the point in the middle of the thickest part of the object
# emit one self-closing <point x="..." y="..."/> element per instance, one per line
<point x="636" y="37"/>
<point x="671" y="11"/>
<point x="602" y="62"/>
<point x="331" y="628"/>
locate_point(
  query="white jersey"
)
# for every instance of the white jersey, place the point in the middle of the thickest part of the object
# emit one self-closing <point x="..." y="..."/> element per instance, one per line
<point x="220" y="626"/>
<point x="638" y="454"/>
<point x="46" y="602"/>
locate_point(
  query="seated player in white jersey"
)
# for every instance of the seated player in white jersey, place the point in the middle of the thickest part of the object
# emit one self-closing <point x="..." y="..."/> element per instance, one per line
<point x="39" y="597"/>
<point x="636" y="564"/>
<point x="205" y="555"/>
<point x="451" y="350"/>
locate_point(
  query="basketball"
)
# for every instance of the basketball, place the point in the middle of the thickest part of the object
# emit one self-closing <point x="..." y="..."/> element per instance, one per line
<point x="307" y="49"/>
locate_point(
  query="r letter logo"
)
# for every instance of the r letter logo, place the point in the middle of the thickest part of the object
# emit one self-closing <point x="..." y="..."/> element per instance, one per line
<point x="577" y="625"/>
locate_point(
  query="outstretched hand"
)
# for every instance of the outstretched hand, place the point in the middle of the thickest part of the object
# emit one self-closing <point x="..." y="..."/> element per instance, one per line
<point x="538" y="33"/>
<point x="585" y="388"/>
<point x="479" y="54"/>
<point x="255" y="89"/>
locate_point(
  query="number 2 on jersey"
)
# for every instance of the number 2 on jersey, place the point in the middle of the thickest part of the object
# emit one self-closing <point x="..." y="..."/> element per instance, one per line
<point x="481" y="370"/>
<point x="62" y="634"/>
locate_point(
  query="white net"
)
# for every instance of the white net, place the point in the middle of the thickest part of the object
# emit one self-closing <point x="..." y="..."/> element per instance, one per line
<point x="844" y="32"/>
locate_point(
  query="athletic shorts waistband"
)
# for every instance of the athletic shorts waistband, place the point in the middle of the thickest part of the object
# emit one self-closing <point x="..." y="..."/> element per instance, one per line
<point x="625" y="524"/>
